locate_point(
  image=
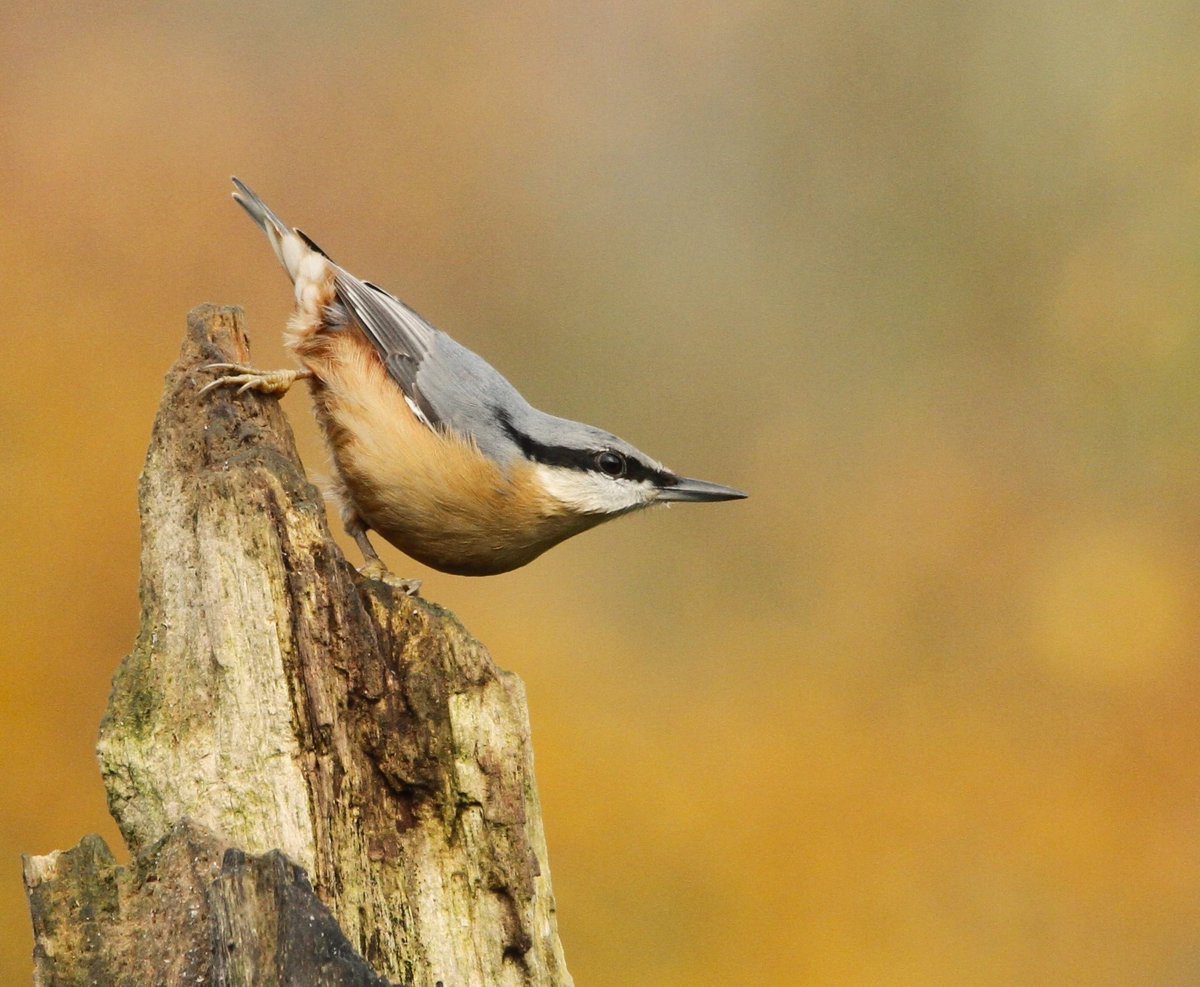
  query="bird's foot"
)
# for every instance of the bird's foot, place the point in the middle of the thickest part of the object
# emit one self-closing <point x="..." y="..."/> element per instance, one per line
<point x="246" y="378"/>
<point x="375" y="569"/>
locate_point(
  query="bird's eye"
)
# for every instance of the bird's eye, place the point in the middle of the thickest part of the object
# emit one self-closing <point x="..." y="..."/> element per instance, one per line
<point x="610" y="463"/>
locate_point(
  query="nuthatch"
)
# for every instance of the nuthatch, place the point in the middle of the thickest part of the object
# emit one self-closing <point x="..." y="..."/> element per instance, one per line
<point x="431" y="446"/>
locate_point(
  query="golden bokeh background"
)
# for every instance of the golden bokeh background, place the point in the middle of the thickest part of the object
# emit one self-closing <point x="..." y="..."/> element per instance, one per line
<point x="924" y="278"/>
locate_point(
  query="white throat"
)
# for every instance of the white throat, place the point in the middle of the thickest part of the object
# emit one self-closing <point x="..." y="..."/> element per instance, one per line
<point x="590" y="493"/>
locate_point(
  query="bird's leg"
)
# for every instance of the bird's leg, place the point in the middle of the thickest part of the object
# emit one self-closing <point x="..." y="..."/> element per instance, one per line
<point x="252" y="379"/>
<point x="374" y="567"/>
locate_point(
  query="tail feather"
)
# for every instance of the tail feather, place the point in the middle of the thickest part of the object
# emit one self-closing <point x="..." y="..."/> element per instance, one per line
<point x="289" y="248"/>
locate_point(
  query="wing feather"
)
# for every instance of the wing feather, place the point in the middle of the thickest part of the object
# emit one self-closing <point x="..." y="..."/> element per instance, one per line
<point x="402" y="338"/>
<point x="446" y="385"/>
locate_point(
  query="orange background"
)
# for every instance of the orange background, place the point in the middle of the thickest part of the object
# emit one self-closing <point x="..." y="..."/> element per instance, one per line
<point x="923" y="278"/>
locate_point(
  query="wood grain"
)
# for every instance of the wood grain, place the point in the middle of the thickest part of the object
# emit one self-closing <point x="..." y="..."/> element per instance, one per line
<point x="279" y="701"/>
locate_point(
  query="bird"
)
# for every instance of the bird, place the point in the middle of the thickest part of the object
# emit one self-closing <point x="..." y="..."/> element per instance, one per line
<point x="431" y="447"/>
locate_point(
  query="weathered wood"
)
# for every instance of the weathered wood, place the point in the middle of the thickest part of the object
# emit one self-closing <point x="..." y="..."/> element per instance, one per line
<point x="268" y="927"/>
<point x="189" y="911"/>
<point x="284" y="702"/>
<point x="97" y="923"/>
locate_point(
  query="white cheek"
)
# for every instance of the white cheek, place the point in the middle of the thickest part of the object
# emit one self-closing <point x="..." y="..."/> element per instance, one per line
<point x="586" y="493"/>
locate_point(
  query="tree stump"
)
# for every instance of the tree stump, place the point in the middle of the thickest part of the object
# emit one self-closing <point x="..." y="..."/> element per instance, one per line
<point x="282" y="720"/>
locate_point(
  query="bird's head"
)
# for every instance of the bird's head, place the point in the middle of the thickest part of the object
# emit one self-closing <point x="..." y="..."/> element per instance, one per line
<point x="594" y="474"/>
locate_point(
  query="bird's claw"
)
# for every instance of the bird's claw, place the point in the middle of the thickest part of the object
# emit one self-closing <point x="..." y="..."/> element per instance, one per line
<point x="376" y="570"/>
<point x="252" y="379"/>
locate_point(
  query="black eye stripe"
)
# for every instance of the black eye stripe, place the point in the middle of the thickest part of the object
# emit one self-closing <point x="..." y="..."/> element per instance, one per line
<point x="585" y="460"/>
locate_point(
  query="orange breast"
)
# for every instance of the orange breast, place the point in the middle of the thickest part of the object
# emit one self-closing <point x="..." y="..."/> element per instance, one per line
<point x="433" y="495"/>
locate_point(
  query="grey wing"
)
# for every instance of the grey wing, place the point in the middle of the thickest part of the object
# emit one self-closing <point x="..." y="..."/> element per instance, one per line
<point x="449" y="385"/>
<point x="403" y="339"/>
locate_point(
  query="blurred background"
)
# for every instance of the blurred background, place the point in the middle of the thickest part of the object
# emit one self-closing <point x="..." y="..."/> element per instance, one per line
<point x="923" y="278"/>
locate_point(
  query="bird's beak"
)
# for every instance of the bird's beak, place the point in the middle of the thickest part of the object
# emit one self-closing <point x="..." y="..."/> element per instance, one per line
<point x="697" y="490"/>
